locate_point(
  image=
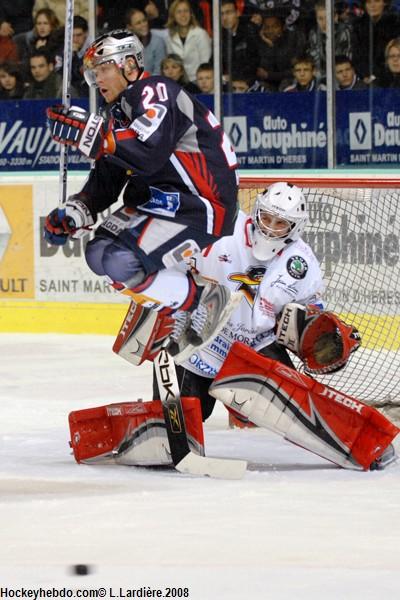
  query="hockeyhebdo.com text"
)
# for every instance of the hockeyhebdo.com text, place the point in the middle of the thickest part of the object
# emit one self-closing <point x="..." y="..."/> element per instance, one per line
<point x="101" y="592"/>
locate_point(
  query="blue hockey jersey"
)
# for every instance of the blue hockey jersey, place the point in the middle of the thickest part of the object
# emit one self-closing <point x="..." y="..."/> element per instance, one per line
<point x="174" y="155"/>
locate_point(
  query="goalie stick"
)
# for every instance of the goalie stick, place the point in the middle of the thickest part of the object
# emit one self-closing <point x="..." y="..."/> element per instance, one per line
<point x="183" y="458"/>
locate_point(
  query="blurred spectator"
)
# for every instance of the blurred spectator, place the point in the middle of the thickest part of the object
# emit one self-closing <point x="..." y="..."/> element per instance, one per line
<point x="11" y="82"/>
<point x="371" y="34"/>
<point x="239" y="45"/>
<point x="154" y="45"/>
<point x="186" y="38"/>
<point x="17" y="15"/>
<point x="304" y="74"/>
<point x="242" y="82"/>
<point x="346" y="76"/>
<point x="276" y="49"/>
<point x="46" y="83"/>
<point x="156" y="13"/>
<point x="391" y="76"/>
<point x="8" y="48"/>
<point x="172" y="67"/>
<point x="80" y="43"/>
<point x="45" y="33"/>
<point x="58" y="7"/>
<point x="317" y="39"/>
<point x="205" y="78"/>
<point x="289" y="10"/>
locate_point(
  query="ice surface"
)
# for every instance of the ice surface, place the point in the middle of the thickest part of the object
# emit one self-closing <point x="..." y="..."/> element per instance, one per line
<point x="295" y="527"/>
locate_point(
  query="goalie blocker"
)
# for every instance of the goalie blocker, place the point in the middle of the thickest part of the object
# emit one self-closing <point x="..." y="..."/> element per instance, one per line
<point x="316" y="417"/>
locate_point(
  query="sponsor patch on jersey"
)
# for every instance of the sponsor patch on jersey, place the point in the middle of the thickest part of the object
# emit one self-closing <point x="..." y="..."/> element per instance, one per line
<point x="297" y="267"/>
<point x="162" y="203"/>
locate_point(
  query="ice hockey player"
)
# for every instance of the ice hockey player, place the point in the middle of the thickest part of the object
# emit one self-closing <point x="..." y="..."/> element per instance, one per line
<point x="282" y="285"/>
<point x="180" y="178"/>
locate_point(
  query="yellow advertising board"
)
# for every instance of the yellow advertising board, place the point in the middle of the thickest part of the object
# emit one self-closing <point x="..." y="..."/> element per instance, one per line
<point x="16" y="242"/>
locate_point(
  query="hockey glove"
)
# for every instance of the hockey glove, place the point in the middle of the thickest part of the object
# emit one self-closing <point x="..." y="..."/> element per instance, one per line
<point x="320" y="339"/>
<point x="78" y="219"/>
<point x="76" y="127"/>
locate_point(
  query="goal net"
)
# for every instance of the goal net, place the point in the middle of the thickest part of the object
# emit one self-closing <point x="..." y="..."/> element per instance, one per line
<point x="354" y="231"/>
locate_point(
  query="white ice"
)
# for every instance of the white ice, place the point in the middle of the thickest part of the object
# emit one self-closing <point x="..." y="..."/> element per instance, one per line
<point x="295" y="527"/>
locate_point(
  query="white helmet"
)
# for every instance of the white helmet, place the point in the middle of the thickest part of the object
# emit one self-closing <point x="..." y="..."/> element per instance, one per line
<point x="283" y="201"/>
<point x="113" y="47"/>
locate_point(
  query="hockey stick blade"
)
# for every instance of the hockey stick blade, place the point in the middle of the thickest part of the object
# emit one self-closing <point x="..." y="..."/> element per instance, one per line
<point x="186" y="461"/>
<point x="217" y="468"/>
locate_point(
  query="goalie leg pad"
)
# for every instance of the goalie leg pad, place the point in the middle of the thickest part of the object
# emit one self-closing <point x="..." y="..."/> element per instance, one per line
<point x="331" y="424"/>
<point x="130" y="433"/>
<point x="142" y="334"/>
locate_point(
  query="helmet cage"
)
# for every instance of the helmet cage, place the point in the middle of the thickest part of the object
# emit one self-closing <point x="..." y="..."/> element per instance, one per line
<point x="112" y="48"/>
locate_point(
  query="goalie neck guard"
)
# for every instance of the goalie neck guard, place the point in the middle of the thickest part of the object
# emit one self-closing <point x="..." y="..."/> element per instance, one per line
<point x="113" y="47"/>
<point x="284" y="203"/>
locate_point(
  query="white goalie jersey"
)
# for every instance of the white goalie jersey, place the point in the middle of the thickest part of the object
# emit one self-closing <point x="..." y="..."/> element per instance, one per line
<point x="294" y="275"/>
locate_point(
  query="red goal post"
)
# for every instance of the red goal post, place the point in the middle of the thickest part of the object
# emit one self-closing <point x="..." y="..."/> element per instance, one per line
<point x="354" y="230"/>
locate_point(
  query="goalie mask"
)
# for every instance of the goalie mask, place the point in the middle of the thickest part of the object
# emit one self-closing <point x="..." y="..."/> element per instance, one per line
<point x="279" y="218"/>
<point x="113" y="47"/>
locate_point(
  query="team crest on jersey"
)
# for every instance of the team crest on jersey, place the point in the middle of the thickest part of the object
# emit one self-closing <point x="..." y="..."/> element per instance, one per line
<point x="297" y="267"/>
<point x="249" y="282"/>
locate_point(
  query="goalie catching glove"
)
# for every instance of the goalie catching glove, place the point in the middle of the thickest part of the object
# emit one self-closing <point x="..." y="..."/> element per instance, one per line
<point x="319" y="338"/>
<point x="78" y="219"/>
<point x="76" y="127"/>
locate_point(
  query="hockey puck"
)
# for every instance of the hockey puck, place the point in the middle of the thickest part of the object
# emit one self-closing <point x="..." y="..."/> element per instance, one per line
<point x="81" y="569"/>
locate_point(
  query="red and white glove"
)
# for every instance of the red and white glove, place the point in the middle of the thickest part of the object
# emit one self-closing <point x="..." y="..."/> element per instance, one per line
<point x="76" y="127"/>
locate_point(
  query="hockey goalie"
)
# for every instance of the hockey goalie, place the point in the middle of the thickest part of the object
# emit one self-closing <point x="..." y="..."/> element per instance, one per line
<point x="267" y="392"/>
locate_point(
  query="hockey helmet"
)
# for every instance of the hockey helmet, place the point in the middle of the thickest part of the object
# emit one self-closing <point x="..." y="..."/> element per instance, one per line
<point x="113" y="47"/>
<point x="284" y="202"/>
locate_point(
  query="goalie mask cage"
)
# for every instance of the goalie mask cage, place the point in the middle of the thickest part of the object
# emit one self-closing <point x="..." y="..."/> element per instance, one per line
<point x="354" y="230"/>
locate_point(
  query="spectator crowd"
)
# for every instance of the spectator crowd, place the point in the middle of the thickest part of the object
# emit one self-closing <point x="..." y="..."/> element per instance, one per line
<point x="266" y="46"/>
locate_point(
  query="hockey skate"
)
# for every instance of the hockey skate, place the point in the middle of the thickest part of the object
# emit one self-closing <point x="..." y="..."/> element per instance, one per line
<point x="387" y="457"/>
<point x="197" y="329"/>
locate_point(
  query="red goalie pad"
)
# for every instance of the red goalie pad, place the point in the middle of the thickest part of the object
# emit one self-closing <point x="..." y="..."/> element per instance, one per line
<point x="107" y="430"/>
<point x="142" y="334"/>
<point x="332" y="424"/>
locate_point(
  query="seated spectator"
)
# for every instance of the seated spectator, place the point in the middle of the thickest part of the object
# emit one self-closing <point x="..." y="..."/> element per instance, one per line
<point x="17" y="15"/>
<point x="80" y="43"/>
<point x="172" y="67"/>
<point x="346" y="76"/>
<point x="154" y="45"/>
<point x="81" y="8"/>
<point x="304" y="74"/>
<point x="239" y="45"/>
<point x="205" y="78"/>
<point x="256" y="9"/>
<point x="46" y="83"/>
<point x="156" y="13"/>
<point x="8" y="48"/>
<point x="276" y="49"/>
<point x="317" y="39"/>
<point x="186" y="38"/>
<point x="371" y="33"/>
<point x="391" y="76"/>
<point x="46" y="33"/>
<point x="243" y="82"/>
<point x="11" y="82"/>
